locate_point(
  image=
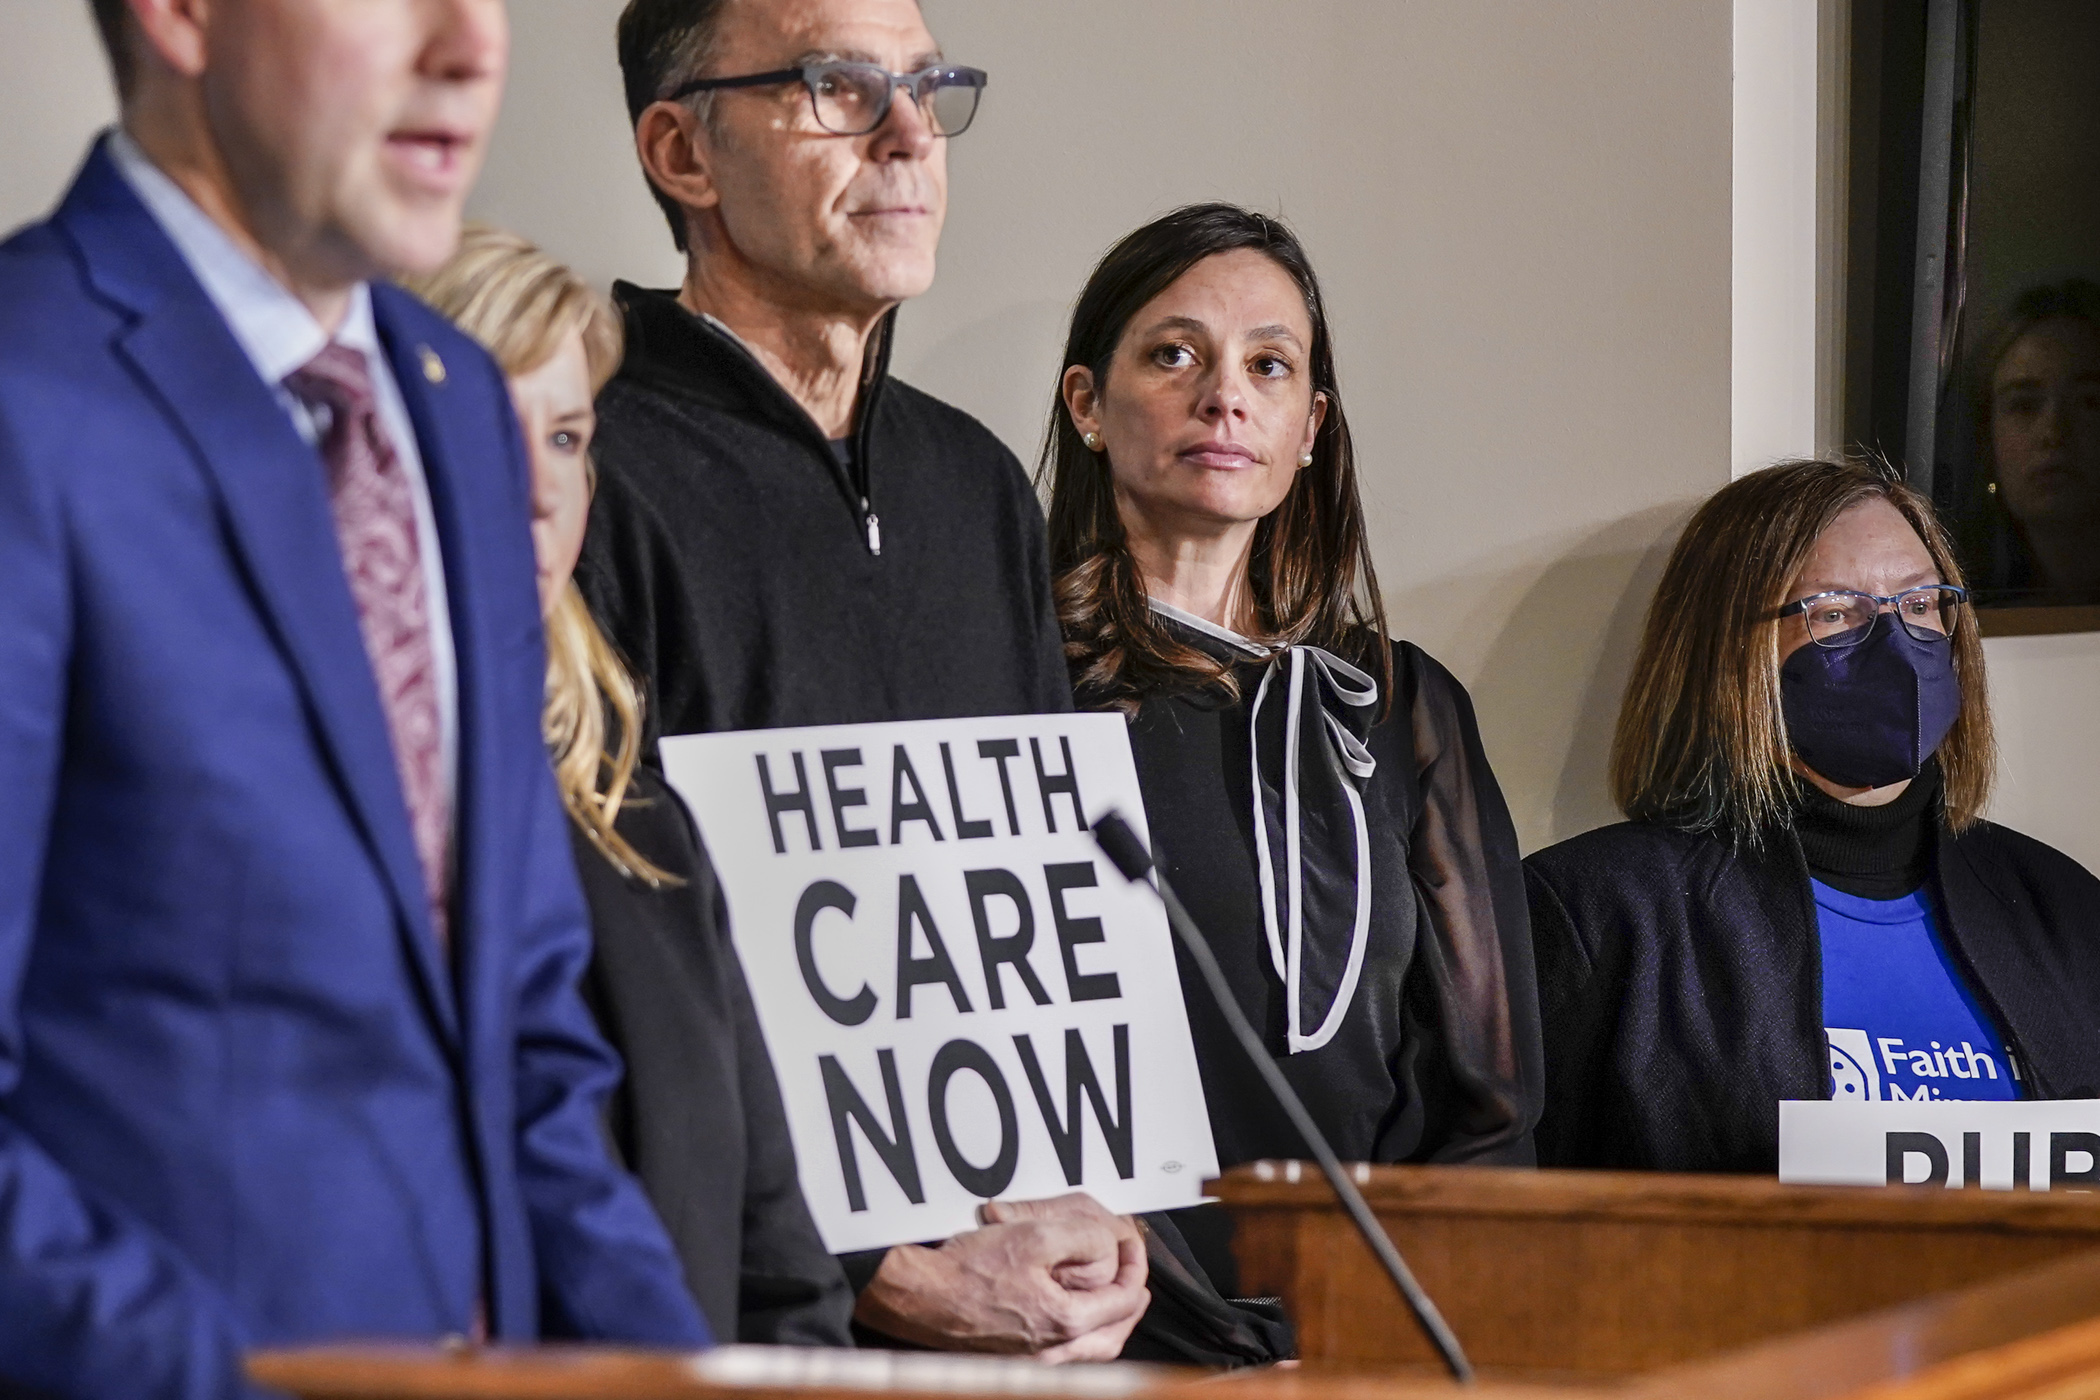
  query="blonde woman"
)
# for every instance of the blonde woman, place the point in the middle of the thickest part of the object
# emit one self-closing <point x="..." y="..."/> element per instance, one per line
<point x="1807" y="903"/>
<point x="699" y="1116"/>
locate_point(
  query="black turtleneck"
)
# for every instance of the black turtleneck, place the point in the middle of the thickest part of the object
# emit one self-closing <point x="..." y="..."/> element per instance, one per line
<point x="1880" y="852"/>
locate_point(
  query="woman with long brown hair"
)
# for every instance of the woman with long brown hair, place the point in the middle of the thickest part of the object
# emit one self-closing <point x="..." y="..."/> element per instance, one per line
<point x="1316" y="793"/>
<point x="1806" y="902"/>
<point x="698" y="1117"/>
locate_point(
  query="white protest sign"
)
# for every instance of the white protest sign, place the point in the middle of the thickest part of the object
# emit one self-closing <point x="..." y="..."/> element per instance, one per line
<point x="962" y="997"/>
<point x="2044" y="1145"/>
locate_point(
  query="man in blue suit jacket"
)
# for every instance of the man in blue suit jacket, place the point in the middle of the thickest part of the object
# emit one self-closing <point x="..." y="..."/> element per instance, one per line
<point x="268" y="1074"/>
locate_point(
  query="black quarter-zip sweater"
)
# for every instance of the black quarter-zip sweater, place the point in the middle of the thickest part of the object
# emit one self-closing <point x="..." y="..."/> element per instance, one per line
<point x="754" y="580"/>
<point x="1681" y="983"/>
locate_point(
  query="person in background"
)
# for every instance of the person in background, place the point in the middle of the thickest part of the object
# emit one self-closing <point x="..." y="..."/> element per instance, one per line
<point x="1806" y="902"/>
<point x="2033" y="536"/>
<point x="698" y="1117"/>
<point x="291" y="1047"/>
<point x="1316" y="793"/>
<point x="783" y="534"/>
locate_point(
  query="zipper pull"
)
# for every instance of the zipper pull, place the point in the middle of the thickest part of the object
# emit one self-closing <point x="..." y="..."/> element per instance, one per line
<point x="874" y="529"/>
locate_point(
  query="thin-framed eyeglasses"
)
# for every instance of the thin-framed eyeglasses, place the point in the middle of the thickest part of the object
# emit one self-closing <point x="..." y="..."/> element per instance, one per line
<point x="1843" y="618"/>
<point x="853" y="99"/>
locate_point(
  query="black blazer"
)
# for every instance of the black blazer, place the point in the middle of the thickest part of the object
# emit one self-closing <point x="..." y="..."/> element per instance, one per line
<point x="1681" y="983"/>
<point x="698" y="1117"/>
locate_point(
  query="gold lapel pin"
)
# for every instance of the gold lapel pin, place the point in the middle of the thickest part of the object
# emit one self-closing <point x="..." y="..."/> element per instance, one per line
<point x="433" y="367"/>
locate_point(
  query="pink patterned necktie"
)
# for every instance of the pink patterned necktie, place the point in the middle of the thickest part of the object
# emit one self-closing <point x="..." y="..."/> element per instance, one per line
<point x="375" y="524"/>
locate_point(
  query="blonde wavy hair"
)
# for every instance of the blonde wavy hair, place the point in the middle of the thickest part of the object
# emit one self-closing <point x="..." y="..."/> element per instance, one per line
<point x="520" y="303"/>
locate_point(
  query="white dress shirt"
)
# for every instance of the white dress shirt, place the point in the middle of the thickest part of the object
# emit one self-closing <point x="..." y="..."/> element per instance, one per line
<point x="279" y="335"/>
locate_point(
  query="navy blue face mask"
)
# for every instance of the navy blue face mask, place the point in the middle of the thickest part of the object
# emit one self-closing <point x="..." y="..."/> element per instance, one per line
<point x="1871" y="714"/>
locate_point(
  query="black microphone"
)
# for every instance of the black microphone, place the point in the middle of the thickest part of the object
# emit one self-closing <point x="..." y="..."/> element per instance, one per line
<point x="1121" y="845"/>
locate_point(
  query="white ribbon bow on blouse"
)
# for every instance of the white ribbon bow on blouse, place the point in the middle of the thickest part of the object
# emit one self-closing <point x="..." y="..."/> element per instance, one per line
<point x="1305" y="675"/>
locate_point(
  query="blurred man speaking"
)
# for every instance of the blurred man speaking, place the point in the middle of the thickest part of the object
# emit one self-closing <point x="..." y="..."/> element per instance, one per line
<point x="290" y="1042"/>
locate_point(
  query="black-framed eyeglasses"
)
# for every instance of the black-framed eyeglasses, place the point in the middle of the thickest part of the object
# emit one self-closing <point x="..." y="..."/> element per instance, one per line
<point x="853" y="99"/>
<point x="1843" y="618"/>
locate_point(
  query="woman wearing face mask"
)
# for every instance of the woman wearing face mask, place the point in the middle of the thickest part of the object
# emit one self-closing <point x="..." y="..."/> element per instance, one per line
<point x="1316" y="794"/>
<point x="698" y="1117"/>
<point x="1806" y="903"/>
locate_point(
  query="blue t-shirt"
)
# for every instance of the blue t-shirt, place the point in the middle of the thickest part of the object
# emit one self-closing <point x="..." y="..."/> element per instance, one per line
<point x="1902" y="1021"/>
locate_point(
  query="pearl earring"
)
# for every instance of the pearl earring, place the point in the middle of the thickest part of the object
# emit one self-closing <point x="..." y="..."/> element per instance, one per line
<point x="1305" y="459"/>
<point x="1093" y="442"/>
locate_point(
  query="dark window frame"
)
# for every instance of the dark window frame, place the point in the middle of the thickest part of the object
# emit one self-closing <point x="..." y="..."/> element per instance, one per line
<point x="1912" y="84"/>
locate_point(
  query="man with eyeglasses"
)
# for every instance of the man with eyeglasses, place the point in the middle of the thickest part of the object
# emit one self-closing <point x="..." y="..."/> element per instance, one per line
<point x="784" y="535"/>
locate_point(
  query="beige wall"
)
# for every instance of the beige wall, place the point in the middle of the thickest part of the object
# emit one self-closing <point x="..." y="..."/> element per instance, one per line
<point x="54" y="93"/>
<point x="2045" y="696"/>
<point x="1521" y="212"/>
<point x="1521" y="209"/>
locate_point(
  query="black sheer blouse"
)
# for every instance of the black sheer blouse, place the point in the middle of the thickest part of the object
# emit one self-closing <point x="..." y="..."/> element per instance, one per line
<point x="1416" y="1034"/>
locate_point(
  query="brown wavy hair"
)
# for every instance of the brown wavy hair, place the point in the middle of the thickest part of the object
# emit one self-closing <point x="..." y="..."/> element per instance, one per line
<point x="519" y="303"/>
<point x="1310" y="573"/>
<point x="1701" y="741"/>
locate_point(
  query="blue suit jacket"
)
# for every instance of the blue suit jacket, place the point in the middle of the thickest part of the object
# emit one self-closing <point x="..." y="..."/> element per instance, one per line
<point x="243" y="1099"/>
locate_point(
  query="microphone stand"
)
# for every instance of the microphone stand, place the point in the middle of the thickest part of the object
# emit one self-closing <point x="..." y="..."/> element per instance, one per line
<point x="1121" y="845"/>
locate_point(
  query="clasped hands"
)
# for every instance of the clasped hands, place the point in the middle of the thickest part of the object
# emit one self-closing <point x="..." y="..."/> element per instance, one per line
<point x="1059" y="1280"/>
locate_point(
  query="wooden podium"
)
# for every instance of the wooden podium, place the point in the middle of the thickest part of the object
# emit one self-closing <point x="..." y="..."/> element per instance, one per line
<point x="1560" y="1284"/>
<point x="1604" y="1274"/>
